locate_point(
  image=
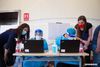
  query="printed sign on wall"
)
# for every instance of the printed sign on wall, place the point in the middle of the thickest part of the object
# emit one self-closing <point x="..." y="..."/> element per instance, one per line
<point x="26" y="16"/>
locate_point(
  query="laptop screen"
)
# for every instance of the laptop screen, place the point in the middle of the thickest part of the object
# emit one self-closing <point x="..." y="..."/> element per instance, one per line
<point x="34" y="46"/>
<point x="69" y="46"/>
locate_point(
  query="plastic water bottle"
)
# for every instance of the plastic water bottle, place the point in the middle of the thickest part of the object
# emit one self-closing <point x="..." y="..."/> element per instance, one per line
<point x="54" y="48"/>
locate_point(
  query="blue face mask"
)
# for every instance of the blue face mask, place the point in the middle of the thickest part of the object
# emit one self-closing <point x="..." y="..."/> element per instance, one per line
<point x="24" y="32"/>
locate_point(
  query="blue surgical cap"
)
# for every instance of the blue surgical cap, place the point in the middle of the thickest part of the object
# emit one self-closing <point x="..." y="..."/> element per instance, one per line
<point x="38" y="31"/>
<point x="71" y="32"/>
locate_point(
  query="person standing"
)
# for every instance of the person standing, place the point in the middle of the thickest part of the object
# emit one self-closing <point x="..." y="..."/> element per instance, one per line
<point x="96" y="46"/>
<point x="8" y="43"/>
<point x="84" y="33"/>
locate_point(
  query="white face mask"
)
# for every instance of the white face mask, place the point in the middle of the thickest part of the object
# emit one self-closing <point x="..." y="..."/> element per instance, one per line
<point x="38" y="37"/>
<point x="24" y="32"/>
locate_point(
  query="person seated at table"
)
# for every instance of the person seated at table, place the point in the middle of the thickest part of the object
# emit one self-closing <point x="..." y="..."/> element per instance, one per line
<point x="27" y="63"/>
<point x="69" y="35"/>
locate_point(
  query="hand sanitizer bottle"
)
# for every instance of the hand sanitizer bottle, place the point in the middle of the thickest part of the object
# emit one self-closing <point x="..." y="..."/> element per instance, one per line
<point x="54" y="48"/>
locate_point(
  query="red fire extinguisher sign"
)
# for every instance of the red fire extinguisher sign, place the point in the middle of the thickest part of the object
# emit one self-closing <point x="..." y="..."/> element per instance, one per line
<point x="26" y="16"/>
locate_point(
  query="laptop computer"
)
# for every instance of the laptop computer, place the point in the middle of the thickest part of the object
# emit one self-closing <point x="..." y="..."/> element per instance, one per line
<point x="34" y="46"/>
<point x="69" y="46"/>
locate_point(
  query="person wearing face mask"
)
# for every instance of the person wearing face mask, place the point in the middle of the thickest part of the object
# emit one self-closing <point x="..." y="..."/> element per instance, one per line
<point x="84" y="33"/>
<point x="38" y="36"/>
<point x="8" y="43"/>
<point x="69" y="35"/>
<point x="24" y="32"/>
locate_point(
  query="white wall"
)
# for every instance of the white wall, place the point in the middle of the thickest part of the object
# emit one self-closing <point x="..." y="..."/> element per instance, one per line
<point x="51" y="11"/>
<point x="40" y="9"/>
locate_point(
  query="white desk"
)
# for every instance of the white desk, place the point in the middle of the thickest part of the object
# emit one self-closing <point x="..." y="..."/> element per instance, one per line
<point x="51" y="57"/>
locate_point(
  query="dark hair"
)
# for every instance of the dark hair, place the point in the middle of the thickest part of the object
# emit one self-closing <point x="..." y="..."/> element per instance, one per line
<point x="20" y="29"/>
<point x="64" y="35"/>
<point x="82" y="17"/>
